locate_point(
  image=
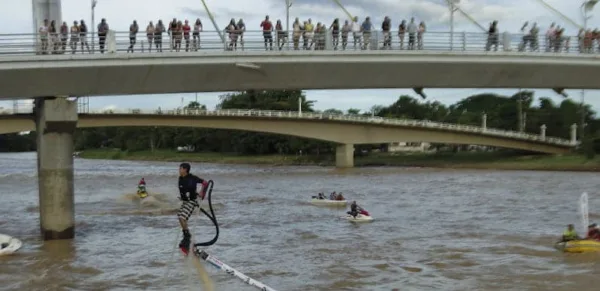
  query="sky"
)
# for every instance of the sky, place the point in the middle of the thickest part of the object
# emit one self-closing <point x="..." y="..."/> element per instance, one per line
<point x="511" y="14"/>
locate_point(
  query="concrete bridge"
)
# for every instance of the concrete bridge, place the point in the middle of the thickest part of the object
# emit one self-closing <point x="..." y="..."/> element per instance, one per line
<point x="345" y="130"/>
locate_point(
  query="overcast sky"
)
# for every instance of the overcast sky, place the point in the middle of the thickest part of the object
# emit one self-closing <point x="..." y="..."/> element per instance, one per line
<point x="119" y="13"/>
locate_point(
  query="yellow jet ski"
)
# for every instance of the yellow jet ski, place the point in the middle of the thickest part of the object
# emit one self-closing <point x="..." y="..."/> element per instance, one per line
<point x="579" y="246"/>
<point x="141" y="192"/>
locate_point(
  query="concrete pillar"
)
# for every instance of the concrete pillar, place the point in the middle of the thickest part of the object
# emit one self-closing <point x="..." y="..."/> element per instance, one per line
<point x="56" y="119"/>
<point x="111" y="41"/>
<point x="328" y="41"/>
<point x="484" y="121"/>
<point x="46" y="9"/>
<point x="574" y="133"/>
<point x="344" y="156"/>
<point x="543" y="131"/>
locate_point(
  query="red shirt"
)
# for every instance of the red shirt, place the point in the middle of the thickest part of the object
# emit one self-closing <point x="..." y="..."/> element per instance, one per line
<point x="266" y="25"/>
<point x="186" y="29"/>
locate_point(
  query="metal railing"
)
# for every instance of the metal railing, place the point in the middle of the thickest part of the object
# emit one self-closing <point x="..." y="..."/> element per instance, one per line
<point x="120" y="42"/>
<point x="337" y="117"/>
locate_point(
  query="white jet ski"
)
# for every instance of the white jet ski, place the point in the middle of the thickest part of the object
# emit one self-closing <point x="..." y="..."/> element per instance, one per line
<point x="328" y="202"/>
<point x="359" y="218"/>
<point x="9" y="244"/>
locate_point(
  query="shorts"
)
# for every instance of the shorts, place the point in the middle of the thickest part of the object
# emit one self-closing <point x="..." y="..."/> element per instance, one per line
<point x="186" y="209"/>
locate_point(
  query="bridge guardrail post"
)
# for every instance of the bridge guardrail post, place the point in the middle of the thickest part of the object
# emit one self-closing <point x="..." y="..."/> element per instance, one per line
<point x="111" y="42"/>
<point x="543" y="131"/>
<point x="506" y="44"/>
<point x="464" y="41"/>
<point x="329" y="40"/>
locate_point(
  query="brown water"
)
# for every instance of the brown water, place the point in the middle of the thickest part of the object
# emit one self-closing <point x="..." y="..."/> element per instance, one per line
<point x="433" y="229"/>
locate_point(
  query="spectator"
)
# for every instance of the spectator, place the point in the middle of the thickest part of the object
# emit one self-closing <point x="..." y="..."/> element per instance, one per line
<point x="241" y="29"/>
<point x="386" y="26"/>
<point x="412" y="31"/>
<point x="177" y="34"/>
<point x="267" y="28"/>
<point x="492" y="36"/>
<point x="401" y="33"/>
<point x="281" y="35"/>
<point x="231" y="30"/>
<point x="102" y="31"/>
<point x="133" y="30"/>
<point x="150" y="35"/>
<point x="309" y="33"/>
<point x="421" y="30"/>
<point x="64" y="36"/>
<point x="335" y="33"/>
<point x="43" y="32"/>
<point x="356" y="32"/>
<point x="366" y="29"/>
<point x="296" y="33"/>
<point x="83" y="30"/>
<point x="159" y="29"/>
<point x="346" y="29"/>
<point x="53" y="36"/>
<point x="172" y="27"/>
<point x="186" y="34"/>
<point x="550" y="37"/>
<point x="74" y="37"/>
<point x="196" y="34"/>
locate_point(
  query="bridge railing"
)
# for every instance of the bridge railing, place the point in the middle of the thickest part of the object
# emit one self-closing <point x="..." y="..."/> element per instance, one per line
<point x="347" y="118"/>
<point x="119" y="42"/>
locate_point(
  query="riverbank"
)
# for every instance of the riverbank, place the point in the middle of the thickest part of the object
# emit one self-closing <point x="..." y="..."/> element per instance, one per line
<point x="462" y="160"/>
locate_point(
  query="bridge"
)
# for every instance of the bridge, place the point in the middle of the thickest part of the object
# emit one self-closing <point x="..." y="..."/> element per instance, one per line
<point x="345" y="130"/>
<point x="25" y="74"/>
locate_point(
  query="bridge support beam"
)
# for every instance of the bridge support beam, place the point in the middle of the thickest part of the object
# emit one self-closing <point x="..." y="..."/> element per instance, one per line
<point x="344" y="156"/>
<point x="56" y="120"/>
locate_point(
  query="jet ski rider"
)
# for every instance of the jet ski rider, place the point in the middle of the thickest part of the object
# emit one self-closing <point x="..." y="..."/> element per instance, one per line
<point x="354" y="209"/>
<point x="593" y="232"/>
<point x="570" y="234"/>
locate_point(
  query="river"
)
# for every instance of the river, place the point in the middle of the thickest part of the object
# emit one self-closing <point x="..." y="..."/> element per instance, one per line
<point x="433" y="229"/>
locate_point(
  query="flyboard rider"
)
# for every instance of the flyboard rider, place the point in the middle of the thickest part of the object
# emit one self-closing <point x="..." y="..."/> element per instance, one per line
<point x="188" y="195"/>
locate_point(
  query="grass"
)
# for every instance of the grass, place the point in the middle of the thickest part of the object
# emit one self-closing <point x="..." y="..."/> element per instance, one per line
<point x="462" y="160"/>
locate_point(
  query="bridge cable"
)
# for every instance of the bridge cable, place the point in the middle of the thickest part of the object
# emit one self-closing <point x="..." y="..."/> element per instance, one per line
<point x="212" y="19"/>
<point x="559" y="13"/>
<point x="465" y="14"/>
<point x="343" y="8"/>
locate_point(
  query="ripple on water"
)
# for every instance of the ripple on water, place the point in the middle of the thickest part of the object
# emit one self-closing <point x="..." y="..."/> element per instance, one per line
<point x="434" y="229"/>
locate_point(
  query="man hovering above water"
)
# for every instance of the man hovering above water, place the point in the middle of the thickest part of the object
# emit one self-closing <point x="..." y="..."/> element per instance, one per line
<point x="188" y="195"/>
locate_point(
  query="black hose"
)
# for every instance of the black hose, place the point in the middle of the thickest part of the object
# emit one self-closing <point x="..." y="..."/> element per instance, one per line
<point x="210" y="216"/>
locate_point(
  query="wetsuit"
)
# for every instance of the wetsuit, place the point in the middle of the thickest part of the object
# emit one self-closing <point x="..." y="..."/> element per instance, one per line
<point x="353" y="210"/>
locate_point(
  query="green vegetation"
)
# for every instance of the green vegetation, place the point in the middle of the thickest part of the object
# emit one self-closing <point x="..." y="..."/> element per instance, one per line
<point x="504" y="160"/>
<point x="228" y="146"/>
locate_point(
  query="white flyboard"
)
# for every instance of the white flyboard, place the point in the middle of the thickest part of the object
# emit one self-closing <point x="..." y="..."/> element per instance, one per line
<point x="583" y="208"/>
<point x="10" y="244"/>
<point x="231" y="271"/>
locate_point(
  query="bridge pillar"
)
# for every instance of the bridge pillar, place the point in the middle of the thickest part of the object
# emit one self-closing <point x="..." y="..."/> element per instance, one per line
<point x="484" y="121"/>
<point x="344" y="156"/>
<point x="574" y="133"/>
<point x="543" y="131"/>
<point x="56" y="120"/>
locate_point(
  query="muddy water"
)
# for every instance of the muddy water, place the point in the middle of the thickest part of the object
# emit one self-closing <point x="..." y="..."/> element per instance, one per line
<point x="433" y="229"/>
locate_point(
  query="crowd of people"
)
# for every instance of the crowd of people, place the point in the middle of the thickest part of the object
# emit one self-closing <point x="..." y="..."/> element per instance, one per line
<point x="305" y="35"/>
<point x="333" y="196"/>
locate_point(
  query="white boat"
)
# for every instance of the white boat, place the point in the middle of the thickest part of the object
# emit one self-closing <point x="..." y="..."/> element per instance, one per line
<point x="328" y="202"/>
<point x="358" y="218"/>
<point x="9" y="244"/>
